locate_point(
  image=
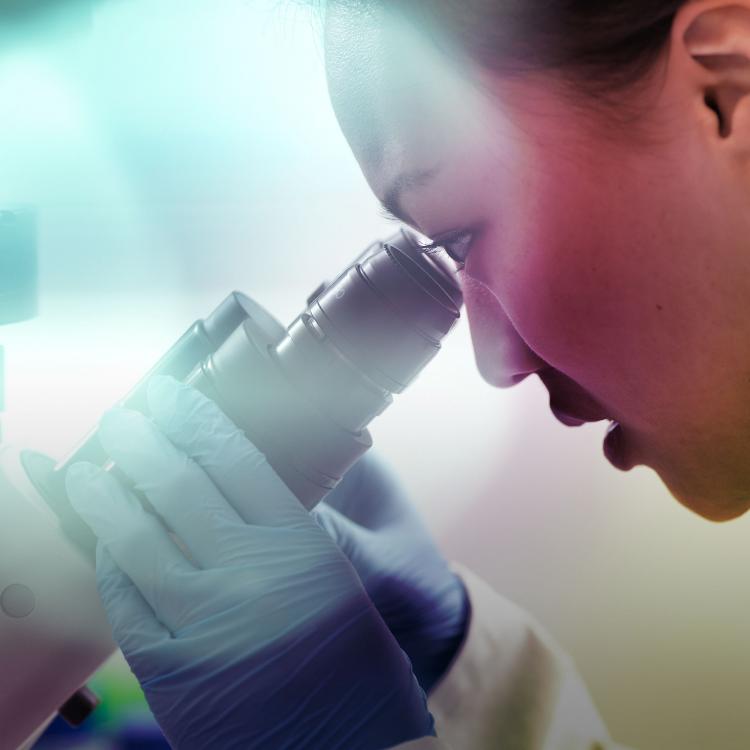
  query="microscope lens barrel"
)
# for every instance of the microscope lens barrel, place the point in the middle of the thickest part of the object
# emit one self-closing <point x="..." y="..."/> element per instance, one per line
<point x="197" y="343"/>
<point x="305" y="395"/>
<point x="387" y="316"/>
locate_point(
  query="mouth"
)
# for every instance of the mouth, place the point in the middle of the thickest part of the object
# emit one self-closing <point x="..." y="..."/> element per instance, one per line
<point x="571" y="418"/>
<point x="568" y="402"/>
<point x="573" y="407"/>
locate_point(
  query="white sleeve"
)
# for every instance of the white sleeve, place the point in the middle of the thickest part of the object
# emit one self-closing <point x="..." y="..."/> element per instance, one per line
<point x="510" y="687"/>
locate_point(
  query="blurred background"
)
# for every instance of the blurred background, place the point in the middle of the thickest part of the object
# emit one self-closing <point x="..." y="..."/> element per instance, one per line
<point x="178" y="149"/>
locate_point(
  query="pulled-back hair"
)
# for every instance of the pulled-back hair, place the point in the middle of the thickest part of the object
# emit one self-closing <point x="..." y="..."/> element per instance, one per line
<point x="602" y="45"/>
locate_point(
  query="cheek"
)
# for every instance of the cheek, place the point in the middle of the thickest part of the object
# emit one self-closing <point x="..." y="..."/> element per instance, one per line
<point x="610" y="278"/>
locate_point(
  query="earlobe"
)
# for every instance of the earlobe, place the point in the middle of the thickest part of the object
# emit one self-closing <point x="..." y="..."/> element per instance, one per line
<point x="715" y="36"/>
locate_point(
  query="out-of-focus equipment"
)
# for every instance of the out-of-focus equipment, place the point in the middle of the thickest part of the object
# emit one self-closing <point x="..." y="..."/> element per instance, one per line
<point x="18" y="265"/>
<point x="23" y="21"/>
<point x="18" y="275"/>
<point x="303" y="394"/>
<point x="45" y="675"/>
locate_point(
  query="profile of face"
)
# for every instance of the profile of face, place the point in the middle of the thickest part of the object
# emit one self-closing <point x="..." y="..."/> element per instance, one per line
<point x="611" y="257"/>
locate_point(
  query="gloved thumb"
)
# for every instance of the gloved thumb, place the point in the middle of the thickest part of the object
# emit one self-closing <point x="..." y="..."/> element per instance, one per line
<point x="351" y="538"/>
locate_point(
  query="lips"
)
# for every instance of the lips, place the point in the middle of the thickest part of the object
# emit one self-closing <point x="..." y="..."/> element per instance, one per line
<point x="616" y="448"/>
<point x="568" y="402"/>
<point x="567" y="419"/>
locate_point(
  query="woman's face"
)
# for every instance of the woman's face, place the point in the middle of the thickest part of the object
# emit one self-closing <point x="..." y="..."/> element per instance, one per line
<point x="614" y="265"/>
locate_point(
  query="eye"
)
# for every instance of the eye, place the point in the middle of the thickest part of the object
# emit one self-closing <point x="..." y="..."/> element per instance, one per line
<point x="456" y="245"/>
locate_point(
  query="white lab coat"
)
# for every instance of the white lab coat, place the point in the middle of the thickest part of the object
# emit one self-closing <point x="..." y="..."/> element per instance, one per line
<point x="510" y="687"/>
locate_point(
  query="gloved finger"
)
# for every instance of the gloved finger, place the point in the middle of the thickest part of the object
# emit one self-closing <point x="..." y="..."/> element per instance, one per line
<point x="179" y="490"/>
<point x="196" y="425"/>
<point x="371" y="495"/>
<point x="353" y="540"/>
<point x="137" y="541"/>
<point x="133" y="622"/>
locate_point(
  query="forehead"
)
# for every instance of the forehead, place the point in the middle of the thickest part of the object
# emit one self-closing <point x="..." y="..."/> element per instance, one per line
<point x="401" y="101"/>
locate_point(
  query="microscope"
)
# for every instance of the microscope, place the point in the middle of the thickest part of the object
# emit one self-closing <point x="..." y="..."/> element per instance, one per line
<point x="304" y="394"/>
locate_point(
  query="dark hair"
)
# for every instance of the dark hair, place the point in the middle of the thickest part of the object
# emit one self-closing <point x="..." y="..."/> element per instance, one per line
<point x="601" y="46"/>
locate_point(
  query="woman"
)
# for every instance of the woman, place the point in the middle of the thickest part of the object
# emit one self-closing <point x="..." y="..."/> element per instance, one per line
<point x="592" y="175"/>
<point x="587" y="165"/>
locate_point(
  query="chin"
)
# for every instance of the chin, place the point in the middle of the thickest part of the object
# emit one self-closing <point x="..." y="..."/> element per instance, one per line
<point x="719" y="504"/>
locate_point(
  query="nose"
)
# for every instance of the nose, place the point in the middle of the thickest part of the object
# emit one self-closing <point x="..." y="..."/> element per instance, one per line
<point x="503" y="358"/>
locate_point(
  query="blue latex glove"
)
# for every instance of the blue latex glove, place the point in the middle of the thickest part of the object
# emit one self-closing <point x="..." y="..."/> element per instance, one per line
<point x="255" y="630"/>
<point x="422" y="601"/>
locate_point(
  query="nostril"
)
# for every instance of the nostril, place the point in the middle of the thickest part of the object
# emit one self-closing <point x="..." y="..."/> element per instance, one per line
<point x="500" y="380"/>
<point x="516" y="379"/>
<point x="498" y="376"/>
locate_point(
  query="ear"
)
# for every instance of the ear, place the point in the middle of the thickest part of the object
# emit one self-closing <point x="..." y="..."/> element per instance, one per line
<point x="711" y="45"/>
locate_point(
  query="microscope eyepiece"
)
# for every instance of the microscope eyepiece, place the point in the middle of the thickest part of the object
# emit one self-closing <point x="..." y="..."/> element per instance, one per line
<point x="387" y="315"/>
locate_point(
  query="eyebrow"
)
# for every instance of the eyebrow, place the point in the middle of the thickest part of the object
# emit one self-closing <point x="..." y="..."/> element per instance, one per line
<point x="408" y="180"/>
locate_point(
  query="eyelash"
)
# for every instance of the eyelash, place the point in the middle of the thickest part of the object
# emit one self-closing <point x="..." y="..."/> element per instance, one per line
<point x="437" y="246"/>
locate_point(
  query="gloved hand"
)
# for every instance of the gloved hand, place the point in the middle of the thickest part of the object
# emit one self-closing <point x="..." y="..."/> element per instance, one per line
<point x="422" y="601"/>
<point x="255" y="630"/>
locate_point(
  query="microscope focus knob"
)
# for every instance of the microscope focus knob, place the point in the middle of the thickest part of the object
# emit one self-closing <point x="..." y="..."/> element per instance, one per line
<point x="17" y="600"/>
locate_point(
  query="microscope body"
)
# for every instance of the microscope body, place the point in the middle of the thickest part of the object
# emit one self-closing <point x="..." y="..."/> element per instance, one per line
<point x="304" y="396"/>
